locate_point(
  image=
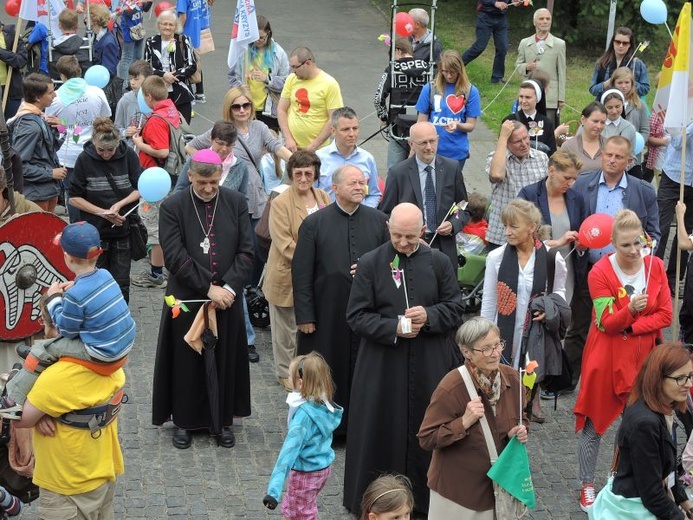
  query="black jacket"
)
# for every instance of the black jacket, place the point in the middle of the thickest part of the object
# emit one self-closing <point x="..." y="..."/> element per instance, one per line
<point x="183" y="58"/>
<point x="16" y="60"/>
<point x="90" y="182"/>
<point x="647" y="455"/>
<point x="69" y="47"/>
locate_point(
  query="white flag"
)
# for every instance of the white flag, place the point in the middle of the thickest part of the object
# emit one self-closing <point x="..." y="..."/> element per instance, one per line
<point x="37" y="11"/>
<point x="244" y="30"/>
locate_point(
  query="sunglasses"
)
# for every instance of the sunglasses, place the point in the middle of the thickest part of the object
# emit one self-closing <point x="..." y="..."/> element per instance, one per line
<point x="238" y="106"/>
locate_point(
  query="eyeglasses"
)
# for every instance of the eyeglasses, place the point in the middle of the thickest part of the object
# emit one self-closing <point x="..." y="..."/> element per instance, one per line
<point x="428" y="142"/>
<point x="296" y="67"/>
<point x="263" y="38"/>
<point x="486" y="352"/>
<point x="621" y="42"/>
<point x="238" y="106"/>
<point x="681" y="380"/>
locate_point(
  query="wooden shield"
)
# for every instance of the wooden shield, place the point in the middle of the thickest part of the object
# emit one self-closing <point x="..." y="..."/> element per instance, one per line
<point x="30" y="261"/>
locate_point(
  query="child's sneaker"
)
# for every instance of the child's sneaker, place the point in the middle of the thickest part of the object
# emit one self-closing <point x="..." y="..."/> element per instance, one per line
<point x="9" y="409"/>
<point x="147" y="279"/>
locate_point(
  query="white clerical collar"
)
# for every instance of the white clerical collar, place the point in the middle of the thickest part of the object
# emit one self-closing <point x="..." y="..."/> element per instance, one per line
<point x="345" y="211"/>
<point x="203" y="200"/>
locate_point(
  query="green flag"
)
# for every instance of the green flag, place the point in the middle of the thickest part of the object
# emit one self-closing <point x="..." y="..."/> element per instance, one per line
<point x="511" y="471"/>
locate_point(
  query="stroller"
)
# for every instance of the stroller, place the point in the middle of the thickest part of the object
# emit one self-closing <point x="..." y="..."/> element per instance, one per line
<point x="258" y="308"/>
<point x="470" y="278"/>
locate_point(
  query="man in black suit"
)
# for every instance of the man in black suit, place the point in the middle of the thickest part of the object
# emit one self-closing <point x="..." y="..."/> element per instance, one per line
<point x="432" y="183"/>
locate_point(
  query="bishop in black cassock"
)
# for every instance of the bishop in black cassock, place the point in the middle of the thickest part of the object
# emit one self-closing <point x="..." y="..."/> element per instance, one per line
<point x="396" y="374"/>
<point x="205" y="243"/>
<point x="329" y="243"/>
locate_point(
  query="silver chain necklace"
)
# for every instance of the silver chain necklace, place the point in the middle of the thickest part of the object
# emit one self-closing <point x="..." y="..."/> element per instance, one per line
<point x="204" y="245"/>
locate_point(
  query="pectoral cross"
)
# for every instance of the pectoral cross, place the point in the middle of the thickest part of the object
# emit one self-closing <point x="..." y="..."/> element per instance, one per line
<point x="205" y="245"/>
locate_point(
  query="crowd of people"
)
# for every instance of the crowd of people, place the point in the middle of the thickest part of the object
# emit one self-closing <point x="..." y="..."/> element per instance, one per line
<point x="360" y="277"/>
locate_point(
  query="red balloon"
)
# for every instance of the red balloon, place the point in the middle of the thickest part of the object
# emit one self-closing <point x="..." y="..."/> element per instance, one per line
<point x="12" y="7"/>
<point x="161" y="7"/>
<point x="595" y="231"/>
<point x="404" y="24"/>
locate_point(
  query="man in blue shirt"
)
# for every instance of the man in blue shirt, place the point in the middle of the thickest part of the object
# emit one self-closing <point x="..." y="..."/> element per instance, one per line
<point x="343" y="150"/>
<point x="668" y="195"/>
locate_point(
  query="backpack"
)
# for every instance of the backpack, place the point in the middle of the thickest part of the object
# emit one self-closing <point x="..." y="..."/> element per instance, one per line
<point x="33" y="60"/>
<point x="176" y="149"/>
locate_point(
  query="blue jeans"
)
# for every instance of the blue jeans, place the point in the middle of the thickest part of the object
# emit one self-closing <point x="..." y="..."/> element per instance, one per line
<point x="73" y="213"/>
<point x="486" y="26"/>
<point x="397" y="151"/>
<point x="132" y="51"/>
<point x="249" y="330"/>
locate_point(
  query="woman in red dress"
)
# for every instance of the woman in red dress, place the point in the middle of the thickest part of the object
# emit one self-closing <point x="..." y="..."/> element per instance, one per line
<point x="632" y="304"/>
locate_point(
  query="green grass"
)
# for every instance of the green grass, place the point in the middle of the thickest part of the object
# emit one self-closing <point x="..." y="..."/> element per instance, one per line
<point x="458" y="32"/>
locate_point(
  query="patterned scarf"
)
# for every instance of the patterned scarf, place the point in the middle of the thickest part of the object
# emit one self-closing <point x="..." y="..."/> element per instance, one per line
<point x="489" y="385"/>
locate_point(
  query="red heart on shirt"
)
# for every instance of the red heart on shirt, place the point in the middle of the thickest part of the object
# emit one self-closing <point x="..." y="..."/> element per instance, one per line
<point x="456" y="103"/>
<point x="302" y="100"/>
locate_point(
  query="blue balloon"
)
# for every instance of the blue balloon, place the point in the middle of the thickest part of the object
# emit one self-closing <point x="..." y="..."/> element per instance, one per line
<point x="639" y="143"/>
<point x="154" y="184"/>
<point x="97" y="76"/>
<point x="654" y="11"/>
<point x="142" y="104"/>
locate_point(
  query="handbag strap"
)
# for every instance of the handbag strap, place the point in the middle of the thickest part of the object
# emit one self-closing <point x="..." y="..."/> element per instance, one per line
<point x="115" y="188"/>
<point x="488" y="436"/>
<point x="250" y="155"/>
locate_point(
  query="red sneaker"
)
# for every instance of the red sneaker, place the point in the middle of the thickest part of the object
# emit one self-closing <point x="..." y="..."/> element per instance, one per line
<point x="587" y="496"/>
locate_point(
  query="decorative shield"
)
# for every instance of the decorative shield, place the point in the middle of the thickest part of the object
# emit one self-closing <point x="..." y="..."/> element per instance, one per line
<point x="30" y="262"/>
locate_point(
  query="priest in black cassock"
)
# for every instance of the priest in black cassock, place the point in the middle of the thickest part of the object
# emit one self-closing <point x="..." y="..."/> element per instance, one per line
<point x="330" y="243"/>
<point x="205" y="233"/>
<point x="400" y="361"/>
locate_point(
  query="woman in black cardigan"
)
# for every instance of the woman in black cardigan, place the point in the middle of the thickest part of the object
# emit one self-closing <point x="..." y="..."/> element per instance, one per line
<point x="646" y="440"/>
<point x="171" y="56"/>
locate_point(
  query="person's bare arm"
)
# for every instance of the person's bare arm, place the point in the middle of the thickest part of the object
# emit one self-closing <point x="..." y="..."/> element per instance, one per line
<point x="323" y="135"/>
<point x="283" y="119"/>
<point x="498" y="161"/>
<point x="685" y="242"/>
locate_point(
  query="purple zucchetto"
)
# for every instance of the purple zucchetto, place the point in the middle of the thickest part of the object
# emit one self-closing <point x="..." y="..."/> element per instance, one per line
<point x="207" y="156"/>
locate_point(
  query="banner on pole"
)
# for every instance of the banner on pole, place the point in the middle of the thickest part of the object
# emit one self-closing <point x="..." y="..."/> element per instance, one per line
<point x="674" y="78"/>
<point x="244" y="30"/>
<point x="37" y="11"/>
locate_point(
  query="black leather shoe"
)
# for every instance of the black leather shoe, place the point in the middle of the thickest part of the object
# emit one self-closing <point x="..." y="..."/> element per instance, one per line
<point x="182" y="439"/>
<point x="253" y="356"/>
<point x="226" y="438"/>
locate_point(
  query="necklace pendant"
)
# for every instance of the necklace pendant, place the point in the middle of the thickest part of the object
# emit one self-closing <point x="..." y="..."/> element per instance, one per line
<point x="205" y="245"/>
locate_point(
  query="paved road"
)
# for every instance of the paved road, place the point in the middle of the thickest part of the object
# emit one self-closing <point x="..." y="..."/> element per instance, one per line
<point x="207" y="482"/>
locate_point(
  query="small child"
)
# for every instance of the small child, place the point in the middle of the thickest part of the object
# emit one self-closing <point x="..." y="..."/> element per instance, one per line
<point x="472" y="240"/>
<point x="307" y="454"/>
<point x="90" y="314"/>
<point x="388" y="497"/>
<point x="129" y="119"/>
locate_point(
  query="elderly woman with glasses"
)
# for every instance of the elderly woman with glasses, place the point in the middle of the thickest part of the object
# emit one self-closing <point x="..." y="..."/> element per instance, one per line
<point x="451" y="427"/>
<point x="632" y="305"/>
<point x="646" y="442"/>
<point x="103" y="188"/>
<point x="171" y="56"/>
<point x="263" y="68"/>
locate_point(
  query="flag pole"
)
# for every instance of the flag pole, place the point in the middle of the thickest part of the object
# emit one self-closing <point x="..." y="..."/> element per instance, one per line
<point x="682" y="180"/>
<point x="6" y="93"/>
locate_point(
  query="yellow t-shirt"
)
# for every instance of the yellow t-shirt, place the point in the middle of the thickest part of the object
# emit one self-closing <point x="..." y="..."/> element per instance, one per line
<point x="72" y="462"/>
<point x="311" y="99"/>
<point x="257" y="88"/>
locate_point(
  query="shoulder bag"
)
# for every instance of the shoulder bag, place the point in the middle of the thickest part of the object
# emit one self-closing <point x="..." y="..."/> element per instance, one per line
<point x="506" y="505"/>
<point x="138" y="231"/>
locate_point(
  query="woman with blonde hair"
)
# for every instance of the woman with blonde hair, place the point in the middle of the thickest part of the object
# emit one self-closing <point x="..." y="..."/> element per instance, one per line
<point x="632" y="304"/>
<point x="635" y="111"/>
<point x="453" y="105"/>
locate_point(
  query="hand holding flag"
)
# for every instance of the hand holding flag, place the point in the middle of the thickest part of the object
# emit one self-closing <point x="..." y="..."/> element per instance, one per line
<point x="244" y="30"/>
